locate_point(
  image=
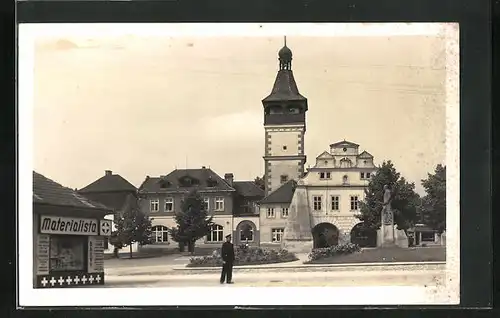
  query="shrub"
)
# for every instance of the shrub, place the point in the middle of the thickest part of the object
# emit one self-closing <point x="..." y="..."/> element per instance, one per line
<point x="341" y="249"/>
<point x="246" y="255"/>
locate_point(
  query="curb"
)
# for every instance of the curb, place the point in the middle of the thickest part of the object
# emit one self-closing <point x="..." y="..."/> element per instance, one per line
<point x="386" y="264"/>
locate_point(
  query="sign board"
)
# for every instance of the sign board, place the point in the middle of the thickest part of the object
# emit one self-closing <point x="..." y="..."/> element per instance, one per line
<point x="95" y="254"/>
<point x="105" y="227"/>
<point x="66" y="225"/>
<point x="42" y="254"/>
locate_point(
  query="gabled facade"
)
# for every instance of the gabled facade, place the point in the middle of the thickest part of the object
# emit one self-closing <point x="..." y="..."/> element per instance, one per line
<point x="331" y="192"/>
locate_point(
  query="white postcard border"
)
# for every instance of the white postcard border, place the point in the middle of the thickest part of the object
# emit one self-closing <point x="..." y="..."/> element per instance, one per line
<point x="231" y="295"/>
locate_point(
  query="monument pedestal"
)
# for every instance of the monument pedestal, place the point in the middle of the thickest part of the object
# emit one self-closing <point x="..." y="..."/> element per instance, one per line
<point x="386" y="236"/>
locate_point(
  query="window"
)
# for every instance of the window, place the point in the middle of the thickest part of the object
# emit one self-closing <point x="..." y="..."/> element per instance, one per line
<point x="154" y="205"/>
<point x="335" y="202"/>
<point x="284" y="147"/>
<point x="284" y="212"/>
<point x="344" y="180"/>
<point x="317" y="203"/>
<point x="216" y="234"/>
<point x="159" y="234"/>
<point x="277" y="235"/>
<point x="206" y="204"/>
<point x="427" y="236"/>
<point x="67" y="253"/>
<point x="354" y="203"/>
<point x="219" y="204"/>
<point x="365" y="175"/>
<point x="270" y="212"/>
<point x="324" y="175"/>
<point x="169" y="204"/>
<point x="106" y="242"/>
<point x="283" y="179"/>
<point x="246" y="236"/>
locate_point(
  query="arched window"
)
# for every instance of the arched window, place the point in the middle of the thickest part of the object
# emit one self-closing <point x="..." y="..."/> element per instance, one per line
<point x="159" y="234"/>
<point x="345" y="180"/>
<point x="216" y="234"/>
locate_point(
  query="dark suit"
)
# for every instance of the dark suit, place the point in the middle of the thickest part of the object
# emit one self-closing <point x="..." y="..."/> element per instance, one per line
<point x="227" y="254"/>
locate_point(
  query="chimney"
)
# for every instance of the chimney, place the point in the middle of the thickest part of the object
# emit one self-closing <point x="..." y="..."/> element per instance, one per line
<point x="108" y="172"/>
<point x="229" y="178"/>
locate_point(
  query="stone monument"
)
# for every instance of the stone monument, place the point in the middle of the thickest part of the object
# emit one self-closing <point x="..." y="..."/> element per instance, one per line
<point x="298" y="236"/>
<point x="387" y="237"/>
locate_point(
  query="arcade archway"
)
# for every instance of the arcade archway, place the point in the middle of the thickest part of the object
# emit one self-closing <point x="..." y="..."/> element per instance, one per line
<point x="325" y="235"/>
<point x="363" y="237"/>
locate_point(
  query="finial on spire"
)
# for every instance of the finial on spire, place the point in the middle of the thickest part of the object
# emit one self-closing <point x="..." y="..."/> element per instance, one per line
<point x="285" y="40"/>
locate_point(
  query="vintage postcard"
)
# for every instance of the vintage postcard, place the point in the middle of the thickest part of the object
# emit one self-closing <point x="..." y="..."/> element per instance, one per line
<point x="254" y="164"/>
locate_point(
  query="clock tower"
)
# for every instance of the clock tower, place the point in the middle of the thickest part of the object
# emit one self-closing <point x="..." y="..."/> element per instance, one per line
<point x="285" y="127"/>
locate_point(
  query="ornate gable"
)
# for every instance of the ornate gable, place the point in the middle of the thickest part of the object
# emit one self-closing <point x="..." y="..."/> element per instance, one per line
<point x="365" y="155"/>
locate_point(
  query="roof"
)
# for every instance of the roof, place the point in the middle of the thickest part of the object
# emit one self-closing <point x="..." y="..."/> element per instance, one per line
<point x="47" y="191"/>
<point x="344" y="143"/>
<point x="283" y="194"/>
<point x="365" y="154"/>
<point x="285" y="88"/>
<point x="204" y="179"/>
<point x="248" y="189"/>
<point x="107" y="183"/>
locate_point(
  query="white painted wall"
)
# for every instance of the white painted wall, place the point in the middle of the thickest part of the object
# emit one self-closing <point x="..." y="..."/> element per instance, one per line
<point x="267" y="224"/>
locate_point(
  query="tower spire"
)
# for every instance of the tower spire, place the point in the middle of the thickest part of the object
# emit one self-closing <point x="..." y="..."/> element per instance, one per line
<point x="285" y="56"/>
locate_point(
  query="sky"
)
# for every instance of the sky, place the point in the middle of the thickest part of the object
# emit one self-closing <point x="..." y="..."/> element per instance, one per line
<point x="144" y="105"/>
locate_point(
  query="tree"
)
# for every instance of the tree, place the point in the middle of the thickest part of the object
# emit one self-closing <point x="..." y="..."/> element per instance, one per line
<point x="132" y="226"/>
<point x="260" y="182"/>
<point x="404" y="199"/>
<point x="434" y="202"/>
<point x="193" y="221"/>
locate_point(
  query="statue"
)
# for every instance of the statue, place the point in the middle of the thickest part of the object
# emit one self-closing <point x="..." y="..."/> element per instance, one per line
<point x="387" y="215"/>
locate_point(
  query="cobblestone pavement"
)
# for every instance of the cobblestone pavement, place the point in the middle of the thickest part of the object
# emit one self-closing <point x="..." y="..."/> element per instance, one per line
<point x="279" y="278"/>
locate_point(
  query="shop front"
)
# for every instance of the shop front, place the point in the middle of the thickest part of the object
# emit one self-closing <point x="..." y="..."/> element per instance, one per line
<point x="70" y="251"/>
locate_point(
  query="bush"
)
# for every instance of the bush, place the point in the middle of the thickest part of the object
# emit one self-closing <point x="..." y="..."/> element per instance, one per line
<point x="246" y="255"/>
<point x="341" y="249"/>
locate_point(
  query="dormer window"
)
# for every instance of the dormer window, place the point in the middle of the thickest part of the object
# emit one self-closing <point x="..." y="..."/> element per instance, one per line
<point x="164" y="184"/>
<point x="211" y="182"/>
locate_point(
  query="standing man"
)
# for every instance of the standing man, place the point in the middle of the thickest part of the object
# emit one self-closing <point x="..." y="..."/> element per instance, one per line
<point x="227" y="253"/>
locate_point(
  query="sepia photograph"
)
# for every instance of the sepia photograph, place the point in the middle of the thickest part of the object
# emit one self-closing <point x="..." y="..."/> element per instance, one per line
<point x="259" y="163"/>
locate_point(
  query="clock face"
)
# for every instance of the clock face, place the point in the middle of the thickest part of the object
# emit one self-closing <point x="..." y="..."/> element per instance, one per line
<point x="345" y="149"/>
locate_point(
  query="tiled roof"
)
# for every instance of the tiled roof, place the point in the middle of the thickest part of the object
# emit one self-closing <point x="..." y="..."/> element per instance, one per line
<point x="285" y="88"/>
<point x="109" y="182"/>
<point x="248" y="189"/>
<point x="283" y="194"/>
<point x="203" y="179"/>
<point x="47" y="191"/>
<point x="344" y="143"/>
